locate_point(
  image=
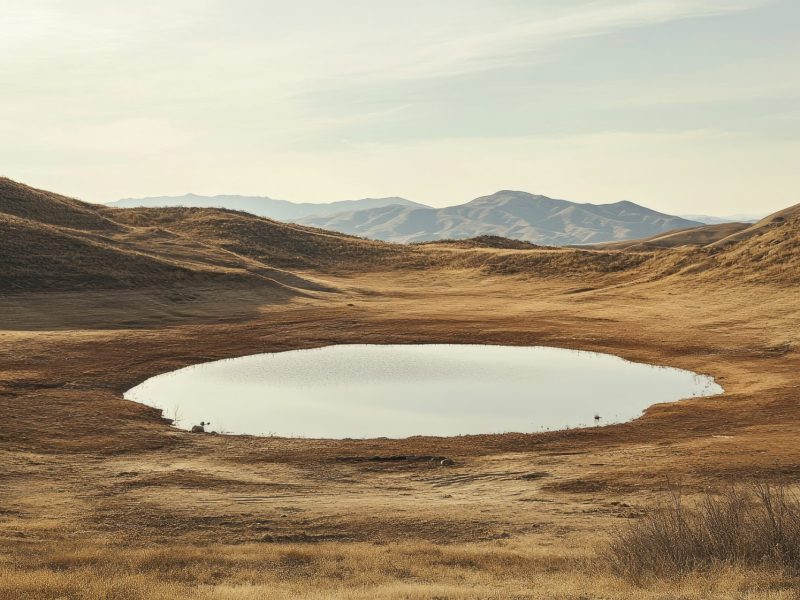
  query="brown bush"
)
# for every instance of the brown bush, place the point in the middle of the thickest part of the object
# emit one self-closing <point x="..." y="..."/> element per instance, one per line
<point x="754" y="526"/>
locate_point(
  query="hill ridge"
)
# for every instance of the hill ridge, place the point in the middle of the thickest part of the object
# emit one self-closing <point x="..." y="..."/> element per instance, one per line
<point x="508" y="213"/>
<point x="263" y="206"/>
<point x="55" y="243"/>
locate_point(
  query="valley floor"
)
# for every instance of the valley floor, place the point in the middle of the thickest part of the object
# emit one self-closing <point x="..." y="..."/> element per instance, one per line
<point x="100" y="498"/>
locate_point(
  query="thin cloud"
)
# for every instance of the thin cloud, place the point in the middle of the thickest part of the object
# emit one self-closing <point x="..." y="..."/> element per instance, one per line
<point x="221" y="95"/>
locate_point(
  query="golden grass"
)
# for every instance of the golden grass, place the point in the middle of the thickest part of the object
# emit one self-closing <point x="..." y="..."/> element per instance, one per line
<point x="346" y="571"/>
<point x="99" y="498"/>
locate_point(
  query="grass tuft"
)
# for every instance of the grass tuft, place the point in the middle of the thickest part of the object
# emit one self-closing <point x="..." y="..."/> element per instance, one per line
<point x="756" y="526"/>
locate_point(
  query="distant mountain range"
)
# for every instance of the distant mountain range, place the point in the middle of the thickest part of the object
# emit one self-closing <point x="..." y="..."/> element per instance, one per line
<point x="511" y="214"/>
<point x="263" y="206"/>
<point x="709" y="220"/>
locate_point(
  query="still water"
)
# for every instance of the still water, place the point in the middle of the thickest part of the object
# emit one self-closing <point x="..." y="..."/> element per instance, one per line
<point x="364" y="391"/>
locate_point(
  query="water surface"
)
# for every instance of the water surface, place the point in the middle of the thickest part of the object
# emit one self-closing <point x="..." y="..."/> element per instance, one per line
<point x="364" y="391"/>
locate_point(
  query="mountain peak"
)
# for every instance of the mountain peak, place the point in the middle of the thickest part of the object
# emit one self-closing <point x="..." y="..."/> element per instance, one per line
<point x="512" y="214"/>
<point x="515" y="214"/>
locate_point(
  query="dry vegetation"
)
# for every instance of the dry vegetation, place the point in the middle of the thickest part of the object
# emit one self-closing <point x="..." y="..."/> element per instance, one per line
<point x="413" y="571"/>
<point x="754" y="527"/>
<point x="100" y="498"/>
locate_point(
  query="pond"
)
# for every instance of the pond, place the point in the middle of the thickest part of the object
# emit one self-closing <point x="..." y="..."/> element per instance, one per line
<point x="367" y="391"/>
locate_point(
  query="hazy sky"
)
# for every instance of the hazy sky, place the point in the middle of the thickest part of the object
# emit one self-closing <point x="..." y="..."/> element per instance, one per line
<point x="682" y="105"/>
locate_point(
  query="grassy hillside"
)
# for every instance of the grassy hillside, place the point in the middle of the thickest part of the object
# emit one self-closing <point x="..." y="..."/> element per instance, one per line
<point x="101" y="498"/>
<point x="51" y="242"/>
<point x="45" y="257"/>
<point x="767" y="251"/>
<point x="39" y="206"/>
<point x="694" y="236"/>
<point x="269" y="242"/>
<point x="54" y="243"/>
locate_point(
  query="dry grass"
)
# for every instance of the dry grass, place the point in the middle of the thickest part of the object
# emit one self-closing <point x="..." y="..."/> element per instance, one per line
<point x="51" y="242"/>
<point x="695" y="236"/>
<point x="99" y="498"/>
<point x="498" y="570"/>
<point x="757" y="527"/>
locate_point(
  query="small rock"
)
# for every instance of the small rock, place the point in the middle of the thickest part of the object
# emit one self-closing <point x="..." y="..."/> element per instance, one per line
<point x="198" y="429"/>
<point x="447" y="462"/>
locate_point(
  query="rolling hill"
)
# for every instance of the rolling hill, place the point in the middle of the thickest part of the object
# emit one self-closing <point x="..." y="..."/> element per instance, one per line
<point x="714" y="236"/>
<point x="510" y="214"/>
<point x="53" y="243"/>
<point x="263" y="206"/>
<point x="50" y="242"/>
<point x="694" y="236"/>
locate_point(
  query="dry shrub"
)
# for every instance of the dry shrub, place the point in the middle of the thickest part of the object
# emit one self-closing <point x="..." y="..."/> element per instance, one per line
<point x="756" y="526"/>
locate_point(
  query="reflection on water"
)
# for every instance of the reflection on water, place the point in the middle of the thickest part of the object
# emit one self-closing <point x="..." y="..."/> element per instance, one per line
<point x="403" y="390"/>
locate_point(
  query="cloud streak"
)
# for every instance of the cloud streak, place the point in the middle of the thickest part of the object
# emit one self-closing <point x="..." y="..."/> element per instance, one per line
<point x="309" y="42"/>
